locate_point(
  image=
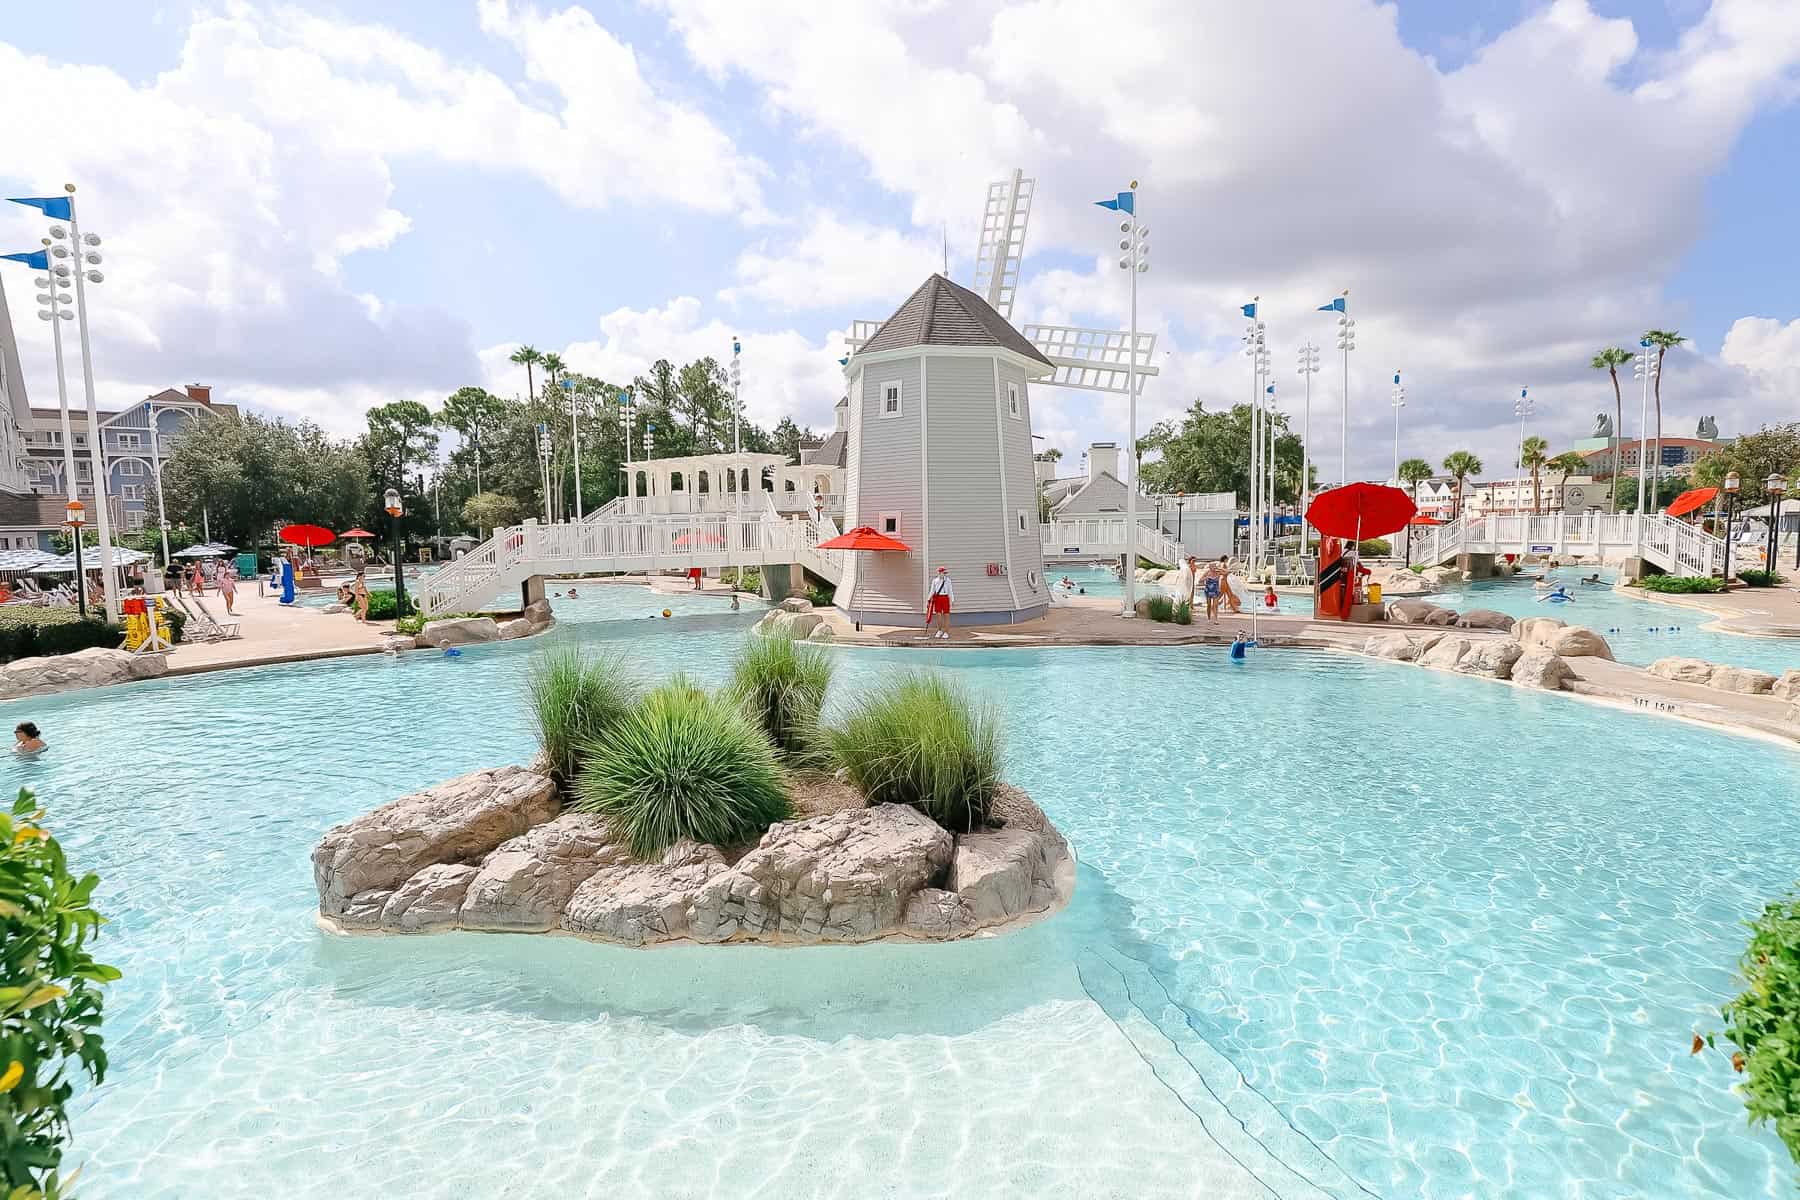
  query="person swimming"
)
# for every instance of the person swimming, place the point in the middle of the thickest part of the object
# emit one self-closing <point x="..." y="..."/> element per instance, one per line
<point x="1591" y="580"/>
<point x="1239" y="644"/>
<point x="27" y="739"/>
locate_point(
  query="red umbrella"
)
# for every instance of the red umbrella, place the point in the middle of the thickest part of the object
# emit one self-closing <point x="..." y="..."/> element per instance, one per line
<point x="1421" y="519"/>
<point x="356" y="533"/>
<point x="1691" y="499"/>
<point x="1360" y="510"/>
<point x="309" y="536"/>
<point x="864" y="537"/>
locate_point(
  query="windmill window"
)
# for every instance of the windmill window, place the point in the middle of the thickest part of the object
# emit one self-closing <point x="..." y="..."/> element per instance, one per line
<point x="890" y="524"/>
<point x="890" y="399"/>
<point x="1012" y="400"/>
<point x="1022" y="527"/>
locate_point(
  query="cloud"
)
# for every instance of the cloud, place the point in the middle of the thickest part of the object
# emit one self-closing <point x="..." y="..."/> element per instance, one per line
<point x="836" y="262"/>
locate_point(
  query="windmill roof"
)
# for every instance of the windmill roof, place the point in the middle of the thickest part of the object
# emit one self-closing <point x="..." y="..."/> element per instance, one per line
<point x="942" y="313"/>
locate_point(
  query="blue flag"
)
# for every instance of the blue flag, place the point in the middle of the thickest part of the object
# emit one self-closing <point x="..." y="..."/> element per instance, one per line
<point x="844" y="361"/>
<point x="1125" y="202"/>
<point x="38" y="260"/>
<point x="56" y="207"/>
<point x="1396" y="379"/>
<point x="1250" y="309"/>
<point x="1270" y="389"/>
<point x="1522" y="392"/>
<point x="1336" y="305"/>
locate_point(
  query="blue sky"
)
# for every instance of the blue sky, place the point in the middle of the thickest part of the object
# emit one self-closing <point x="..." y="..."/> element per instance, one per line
<point x="707" y="169"/>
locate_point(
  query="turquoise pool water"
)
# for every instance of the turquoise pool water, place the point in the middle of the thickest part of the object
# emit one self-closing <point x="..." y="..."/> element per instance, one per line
<point x="1291" y="969"/>
<point x="1639" y="631"/>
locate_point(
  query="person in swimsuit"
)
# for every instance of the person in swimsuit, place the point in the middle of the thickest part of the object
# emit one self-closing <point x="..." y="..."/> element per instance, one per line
<point x="1211" y="586"/>
<point x="26" y="739"/>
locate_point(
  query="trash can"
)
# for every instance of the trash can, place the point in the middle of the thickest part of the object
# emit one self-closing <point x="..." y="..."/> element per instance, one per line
<point x="246" y="565"/>
<point x="1374" y="590"/>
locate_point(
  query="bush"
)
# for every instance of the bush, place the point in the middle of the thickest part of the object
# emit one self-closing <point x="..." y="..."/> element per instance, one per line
<point x="1764" y="1022"/>
<point x="1681" y="585"/>
<point x="382" y="604"/>
<point x="576" y="699"/>
<point x="821" y="597"/>
<point x="49" y="999"/>
<point x="1161" y="608"/>
<point x="414" y="625"/>
<point x="683" y="764"/>
<point x="1184" y="613"/>
<point x="781" y="684"/>
<point x="1417" y="568"/>
<point x="1760" y="578"/>
<point x="919" y="740"/>
<point x="27" y="632"/>
<point x="1375" y="547"/>
<point x="177" y="622"/>
<point x="749" y="579"/>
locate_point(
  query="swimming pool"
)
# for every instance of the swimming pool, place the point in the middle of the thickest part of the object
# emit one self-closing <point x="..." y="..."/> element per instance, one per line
<point x="1435" y="972"/>
<point x="1639" y="631"/>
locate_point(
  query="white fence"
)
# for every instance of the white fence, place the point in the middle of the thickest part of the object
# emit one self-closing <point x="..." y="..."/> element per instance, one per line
<point x="1671" y="544"/>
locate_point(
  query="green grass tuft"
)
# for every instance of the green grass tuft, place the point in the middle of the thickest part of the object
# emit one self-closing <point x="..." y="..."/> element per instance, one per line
<point x="1162" y="608"/>
<point x="1184" y="613"/>
<point x="576" y="698"/>
<point x="920" y="740"/>
<point x="683" y="764"/>
<point x="1756" y="578"/>
<point x="781" y="684"/>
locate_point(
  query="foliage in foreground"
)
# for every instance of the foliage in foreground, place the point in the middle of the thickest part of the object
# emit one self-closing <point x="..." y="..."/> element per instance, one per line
<point x="1764" y="1022"/>
<point x="683" y="764"/>
<point x="49" y="1000"/>
<point x="382" y="605"/>
<point x="920" y="740"/>
<point x="782" y="683"/>
<point x="821" y="597"/>
<point x="576" y="699"/>
<point x="1755" y="578"/>
<point x="1161" y="608"/>
<point x="1184" y="613"/>
<point x="1681" y="585"/>
<point x="27" y="632"/>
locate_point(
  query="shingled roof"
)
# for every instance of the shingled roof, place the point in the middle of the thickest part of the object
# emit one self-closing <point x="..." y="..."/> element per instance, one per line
<point x="942" y="313"/>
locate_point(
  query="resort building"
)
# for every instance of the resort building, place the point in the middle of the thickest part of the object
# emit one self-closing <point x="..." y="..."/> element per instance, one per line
<point x="940" y="458"/>
<point x="1576" y="495"/>
<point x="1678" y="454"/>
<point x="1200" y="521"/>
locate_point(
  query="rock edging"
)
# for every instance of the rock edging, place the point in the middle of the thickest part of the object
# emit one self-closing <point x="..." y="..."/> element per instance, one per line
<point x="492" y="851"/>
<point x="93" y="667"/>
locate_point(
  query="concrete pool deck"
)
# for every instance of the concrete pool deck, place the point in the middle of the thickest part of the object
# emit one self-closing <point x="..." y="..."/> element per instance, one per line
<point x="274" y="633"/>
<point x="1755" y="612"/>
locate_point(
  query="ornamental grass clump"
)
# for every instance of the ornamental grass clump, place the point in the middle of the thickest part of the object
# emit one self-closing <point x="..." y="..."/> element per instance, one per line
<point x="921" y="741"/>
<point x="781" y="684"/>
<point x="576" y="699"/>
<point x="683" y="764"/>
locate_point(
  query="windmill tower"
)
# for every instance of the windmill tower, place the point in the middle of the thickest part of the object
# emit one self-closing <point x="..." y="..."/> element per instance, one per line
<point x="15" y="409"/>
<point x="940" y="433"/>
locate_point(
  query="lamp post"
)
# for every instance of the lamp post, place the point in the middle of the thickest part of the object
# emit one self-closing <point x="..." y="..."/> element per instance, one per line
<point x="391" y="501"/>
<point x="1134" y="260"/>
<point x="1732" y="484"/>
<point x="1643" y="369"/>
<point x="1397" y="398"/>
<point x="1180" y="503"/>
<point x="1257" y="351"/>
<point x="575" y="438"/>
<point x="1346" y="343"/>
<point x="1159" y="505"/>
<point x="737" y="442"/>
<point x="1521" y="410"/>
<point x="156" y="465"/>
<point x="543" y="432"/>
<point x="55" y="300"/>
<point x="1309" y="366"/>
<point x="75" y="515"/>
<point x="1775" y="485"/>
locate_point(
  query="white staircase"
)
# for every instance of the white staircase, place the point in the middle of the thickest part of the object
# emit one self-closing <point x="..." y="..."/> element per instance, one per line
<point x="1672" y="545"/>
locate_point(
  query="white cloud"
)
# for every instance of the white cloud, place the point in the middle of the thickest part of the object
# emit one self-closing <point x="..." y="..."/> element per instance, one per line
<point x="836" y="262"/>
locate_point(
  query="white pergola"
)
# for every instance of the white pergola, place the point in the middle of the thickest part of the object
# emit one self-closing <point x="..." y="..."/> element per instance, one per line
<point x="724" y="482"/>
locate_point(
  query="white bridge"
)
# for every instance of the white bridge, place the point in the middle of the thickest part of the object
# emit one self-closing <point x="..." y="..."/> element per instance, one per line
<point x="613" y="540"/>
<point x="1672" y="545"/>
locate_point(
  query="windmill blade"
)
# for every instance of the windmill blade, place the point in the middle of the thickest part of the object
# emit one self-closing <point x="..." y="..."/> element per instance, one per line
<point x="860" y="333"/>
<point x="1002" y="246"/>
<point x="1095" y="360"/>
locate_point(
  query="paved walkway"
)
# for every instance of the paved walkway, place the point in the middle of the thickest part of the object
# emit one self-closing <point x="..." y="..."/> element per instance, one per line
<point x="1760" y="612"/>
<point x="273" y="633"/>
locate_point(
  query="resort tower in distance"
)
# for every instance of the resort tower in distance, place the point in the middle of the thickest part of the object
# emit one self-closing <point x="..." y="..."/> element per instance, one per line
<point x="940" y="458"/>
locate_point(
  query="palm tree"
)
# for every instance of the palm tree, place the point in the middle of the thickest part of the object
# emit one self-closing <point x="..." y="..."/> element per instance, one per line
<point x="1534" y="452"/>
<point x="1662" y="339"/>
<point x="553" y="369"/>
<point x="1565" y="465"/>
<point x="1610" y="360"/>
<point x="1413" y="472"/>
<point x="1461" y="464"/>
<point x="528" y="357"/>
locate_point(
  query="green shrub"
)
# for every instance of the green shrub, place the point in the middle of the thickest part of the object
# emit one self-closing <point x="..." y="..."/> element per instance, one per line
<point x="1681" y="585"/>
<point x="1374" y="548"/>
<point x="920" y="740"/>
<point x="781" y="684"/>
<point x="576" y="699"/>
<point x="821" y="597"/>
<point x="28" y="632"/>
<point x="683" y="764"/>
<point x="49" y="999"/>
<point x="414" y="625"/>
<point x="1764" y="1022"/>
<point x="1184" y="613"/>
<point x="1161" y="608"/>
<point x="748" y="579"/>
<point x="382" y="605"/>
<point x="1760" y="578"/>
<point x="1417" y="568"/>
<point x="177" y="622"/>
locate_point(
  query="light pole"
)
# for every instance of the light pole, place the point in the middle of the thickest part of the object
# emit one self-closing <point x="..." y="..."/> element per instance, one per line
<point x="1775" y="485"/>
<point x="737" y="442"/>
<point x="75" y="514"/>
<point x="1346" y="343"/>
<point x="649" y="440"/>
<point x="1398" y="400"/>
<point x="543" y="432"/>
<point x="391" y="502"/>
<point x="1732" y="483"/>
<point x="1180" y="503"/>
<point x="1256" y="349"/>
<point x="162" y="513"/>
<point x="1643" y="369"/>
<point x="1521" y="410"/>
<point x="55" y="300"/>
<point x="1309" y="366"/>
<point x="1134" y="259"/>
<point x="575" y="438"/>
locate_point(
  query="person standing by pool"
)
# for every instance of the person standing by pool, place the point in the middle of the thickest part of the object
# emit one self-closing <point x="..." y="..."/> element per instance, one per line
<point x="26" y="739"/>
<point x="1211" y="583"/>
<point x="359" y="596"/>
<point x="228" y="588"/>
<point x="199" y="578"/>
<point x="937" y="604"/>
<point x="1225" y="588"/>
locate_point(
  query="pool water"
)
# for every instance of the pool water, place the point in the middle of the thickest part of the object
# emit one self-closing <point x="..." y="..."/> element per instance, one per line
<point x="1639" y="631"/>
<point x="1289" y="970"/>
<point x="1094" y="581"/>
